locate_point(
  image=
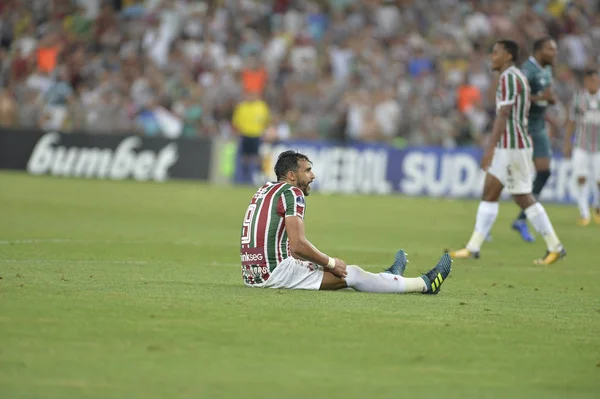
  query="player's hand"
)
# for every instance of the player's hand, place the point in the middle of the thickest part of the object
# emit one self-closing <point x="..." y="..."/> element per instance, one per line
<point x="548" y="95"/>
<point x="567" y="150"/>
<point x="340" y="268"/>
<point x="488" y="155"/>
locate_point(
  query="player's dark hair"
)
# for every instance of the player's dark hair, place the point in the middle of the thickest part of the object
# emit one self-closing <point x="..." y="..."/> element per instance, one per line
<point x="288" y="161"/>
<point x="511" y="48"/>
<point x="539" y="43"/>
<point x="590" y="71"/>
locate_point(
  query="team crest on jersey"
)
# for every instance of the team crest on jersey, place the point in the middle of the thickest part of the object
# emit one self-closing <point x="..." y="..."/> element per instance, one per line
<point x="300" y="205"/>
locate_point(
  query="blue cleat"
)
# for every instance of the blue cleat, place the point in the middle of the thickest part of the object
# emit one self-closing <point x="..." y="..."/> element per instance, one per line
<point x="436" y="276"/>
<point x="520" y="225"/>
<point x="397" y="268"/>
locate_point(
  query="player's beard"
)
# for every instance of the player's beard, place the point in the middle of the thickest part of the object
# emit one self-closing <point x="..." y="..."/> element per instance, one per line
<point x="305" y="187"/>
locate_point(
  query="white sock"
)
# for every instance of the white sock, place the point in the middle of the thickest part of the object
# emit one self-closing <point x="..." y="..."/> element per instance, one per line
<point x="597" y="195"/>
<point x="486" y="217"/>
<point x="583" y="200"/>
<point x="537" y="216"/>
<point x="364" y="281"/>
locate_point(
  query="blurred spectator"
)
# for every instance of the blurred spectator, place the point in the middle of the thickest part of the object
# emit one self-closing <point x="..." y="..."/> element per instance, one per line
<point x="48" y="51"/>
<point x="254" y="77"/>
<point x="419" y="64"/>
<point x="372" y="70"/>
<point x="8" y="109"/>
<point x="29" y="112"/>
<point x="468" y="96"/>
<point x="251" y="118"/>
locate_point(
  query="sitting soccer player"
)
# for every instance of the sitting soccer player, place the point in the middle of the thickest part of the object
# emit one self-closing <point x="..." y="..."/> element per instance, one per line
<point x="275" y="252"/>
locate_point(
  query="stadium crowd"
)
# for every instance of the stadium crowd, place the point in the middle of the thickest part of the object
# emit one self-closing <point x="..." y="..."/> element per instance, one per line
<point x="402" y="71"/>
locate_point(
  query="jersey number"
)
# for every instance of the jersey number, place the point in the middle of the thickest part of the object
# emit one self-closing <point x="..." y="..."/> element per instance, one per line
<point x="246" y="230"/>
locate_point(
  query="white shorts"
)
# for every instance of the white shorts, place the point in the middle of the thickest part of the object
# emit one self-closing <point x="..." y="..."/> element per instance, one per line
<point x="586" y="164"/>
<point x="514" y="168"/>
<point x="295" y="274"/>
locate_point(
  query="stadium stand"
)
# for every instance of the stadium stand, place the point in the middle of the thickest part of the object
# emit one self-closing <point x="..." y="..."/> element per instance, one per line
<point x="406" y="71"/>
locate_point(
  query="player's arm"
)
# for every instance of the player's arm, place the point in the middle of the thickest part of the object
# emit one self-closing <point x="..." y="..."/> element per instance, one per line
<point x="502" y="116"/>
<point x="510" y="91"/>
<point x="570" y="129"/>
<point x="568" y="146"/>
<point x="555" y="126"/>
<point x="291" y="206"/>
<point x="536" y="97"/>
<point x="500" y="123"/>
<point x="301" y="248"/>
<point x="543" y="95"/>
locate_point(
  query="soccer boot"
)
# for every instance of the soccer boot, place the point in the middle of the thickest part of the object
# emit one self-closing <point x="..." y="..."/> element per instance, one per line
<point x="583" y="222"/>
<point x="397" y="268"/>
<point x="551" y="257"/>
<point x="463" y="254"/>
<point x="436" y="276"/>
<point x="520" y="225"/>
<point x="596" y="216"/>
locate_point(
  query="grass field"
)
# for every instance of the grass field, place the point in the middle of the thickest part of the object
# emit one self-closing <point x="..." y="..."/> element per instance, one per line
<point x="133" y="290"/>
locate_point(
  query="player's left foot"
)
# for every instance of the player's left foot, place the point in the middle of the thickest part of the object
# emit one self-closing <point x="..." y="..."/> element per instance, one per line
<point x="463" y="254"/>
<point x="399" y="264"/>
<point x="551" y="257"/>
<point x="583" y="222"/>
<point x="520" y="225"/>
<point x="436" y="276"/>
<point x="596" y="216"/>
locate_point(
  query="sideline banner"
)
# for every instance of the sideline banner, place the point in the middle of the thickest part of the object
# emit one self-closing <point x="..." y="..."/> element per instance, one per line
<point x="361" y="168"/>
<point x="113" y="157"/>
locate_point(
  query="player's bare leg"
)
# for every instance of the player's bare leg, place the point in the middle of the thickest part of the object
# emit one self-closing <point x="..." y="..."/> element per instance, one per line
<point x="537" y="216"/>
<point x="488" y="211"/>
<point x="583" y="202"/>
<point x="485" y="219"/>
<point x="542" y="167"/>
<point x="331" y="282"/>
<point x="386" y="282"/>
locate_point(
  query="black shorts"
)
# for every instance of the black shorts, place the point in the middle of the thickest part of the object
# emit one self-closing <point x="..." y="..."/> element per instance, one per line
<point x="249" y="145"/>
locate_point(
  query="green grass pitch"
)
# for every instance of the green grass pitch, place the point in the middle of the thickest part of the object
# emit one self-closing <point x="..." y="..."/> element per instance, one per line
<point x="133" y="290"/>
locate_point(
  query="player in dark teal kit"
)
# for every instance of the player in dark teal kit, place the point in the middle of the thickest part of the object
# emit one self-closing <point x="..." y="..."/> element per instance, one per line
<point x="538" y="70"/>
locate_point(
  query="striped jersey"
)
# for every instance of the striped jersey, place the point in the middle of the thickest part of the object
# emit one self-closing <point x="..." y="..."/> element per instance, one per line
<point x="513" y="89"/>
<point x="264" y="242"/>
<point x="585" y="112"/>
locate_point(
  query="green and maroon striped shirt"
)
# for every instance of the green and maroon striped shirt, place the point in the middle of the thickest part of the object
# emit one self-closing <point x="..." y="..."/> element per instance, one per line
<point x="513" y="89"/>
<point x="264" y="242"/>
<point x="585" y="112"/>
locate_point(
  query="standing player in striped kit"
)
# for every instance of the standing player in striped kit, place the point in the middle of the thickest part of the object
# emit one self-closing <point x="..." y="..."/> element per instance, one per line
<point x="584" y="121"/>
<point x="508" y="159"/>
<point x="276" y="254"/>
